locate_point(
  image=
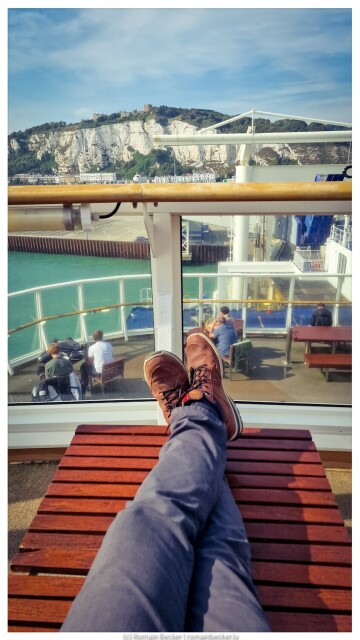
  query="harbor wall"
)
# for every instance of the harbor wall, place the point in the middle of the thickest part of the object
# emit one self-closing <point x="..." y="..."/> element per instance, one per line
<point x="199" y="253"/>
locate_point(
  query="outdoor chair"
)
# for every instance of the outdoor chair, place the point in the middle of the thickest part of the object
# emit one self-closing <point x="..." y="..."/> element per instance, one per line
<point x="239" y="357"/>
<point x="239" y="327"/>
<point x="110" y="371"/>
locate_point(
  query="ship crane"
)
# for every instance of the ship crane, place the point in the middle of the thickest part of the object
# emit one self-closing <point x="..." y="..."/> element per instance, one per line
<point x="245" y="172"/>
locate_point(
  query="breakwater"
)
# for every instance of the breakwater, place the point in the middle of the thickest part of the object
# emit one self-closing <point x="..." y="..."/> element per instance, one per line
<point x="199" y="253"/>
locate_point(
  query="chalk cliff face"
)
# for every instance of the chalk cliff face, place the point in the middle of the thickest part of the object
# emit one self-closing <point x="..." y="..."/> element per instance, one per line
<point x="83" y="149"/>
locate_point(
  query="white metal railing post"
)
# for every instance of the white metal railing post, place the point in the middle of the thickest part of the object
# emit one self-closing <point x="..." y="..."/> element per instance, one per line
<point x="244" y="306"/>
<point x="200" y="297"/>
<point x="83" y="326"/>
<point x="122" y="309"/>
<point x="291" y="298"/>
<point x="340" y="283"/>
<point x="39" y="315"/>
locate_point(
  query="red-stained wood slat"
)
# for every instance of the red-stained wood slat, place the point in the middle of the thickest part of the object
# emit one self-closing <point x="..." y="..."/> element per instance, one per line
<point x="89" y="506"/>
<point x="38" y="610"/>
<point x="73" y="524"/>
<point x="55" y="560"/>
<point x="305" y="483"/>
<point x="118" y="440"/>
<point x="275" y="468"/>
<point x="44" y="586"/>
<point x="306" y="553"/>
<point x="101" y="462"/>
<point x="295" y="598"/>
<point x="262" y="513"/>
<point x="19" y="628"/>
<point x="292" y="622"/>
<point x="292" y="573"/>
<point x="40" y="540"/>
<point x="284" y="497"/>
<point x="271" y="444"/>
<point x="98" y="476"/>
<point x="117" y="451"/>
<point x="91" y="490"/>
<point x="300" y="531"/>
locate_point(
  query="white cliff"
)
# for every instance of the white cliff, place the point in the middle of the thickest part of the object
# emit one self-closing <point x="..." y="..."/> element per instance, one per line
<point x="79" y="149"/>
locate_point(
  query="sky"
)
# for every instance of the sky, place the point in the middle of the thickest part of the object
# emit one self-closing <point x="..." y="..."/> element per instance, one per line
<point x="67" y="64"/>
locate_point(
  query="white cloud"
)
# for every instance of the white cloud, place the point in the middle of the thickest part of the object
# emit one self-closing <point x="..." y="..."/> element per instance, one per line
<point x="121" y="58"/>
<point x="157" y="43"/>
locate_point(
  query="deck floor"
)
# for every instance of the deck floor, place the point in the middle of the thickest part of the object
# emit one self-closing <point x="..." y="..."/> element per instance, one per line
<point x="269" y="379"/>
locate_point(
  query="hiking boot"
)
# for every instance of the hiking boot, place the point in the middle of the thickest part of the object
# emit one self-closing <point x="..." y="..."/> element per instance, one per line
<point x="167" y="378"/>
<point x="206" y="373"/>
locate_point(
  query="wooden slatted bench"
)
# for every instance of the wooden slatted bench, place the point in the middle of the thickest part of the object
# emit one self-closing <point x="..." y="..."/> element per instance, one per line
<point x="327" y="361"/>
<point x="301" y="551"/>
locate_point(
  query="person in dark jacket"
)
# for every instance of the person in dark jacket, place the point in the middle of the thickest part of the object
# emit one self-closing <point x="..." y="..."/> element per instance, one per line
<point x="321" y="317"/>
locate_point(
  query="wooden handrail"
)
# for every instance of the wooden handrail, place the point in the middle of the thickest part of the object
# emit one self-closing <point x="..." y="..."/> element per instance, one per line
<point x="205" y="192"/>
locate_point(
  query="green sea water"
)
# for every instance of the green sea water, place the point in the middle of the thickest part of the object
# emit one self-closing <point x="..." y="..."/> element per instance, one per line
<point x="28" y="270"/>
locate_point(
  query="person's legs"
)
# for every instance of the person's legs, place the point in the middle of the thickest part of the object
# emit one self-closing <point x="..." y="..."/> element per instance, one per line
<point x="222" y="595"/>
<point x="140" y="578"/>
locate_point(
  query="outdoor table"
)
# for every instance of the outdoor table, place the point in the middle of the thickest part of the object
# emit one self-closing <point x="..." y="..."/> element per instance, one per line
<point x="309" y="334"/>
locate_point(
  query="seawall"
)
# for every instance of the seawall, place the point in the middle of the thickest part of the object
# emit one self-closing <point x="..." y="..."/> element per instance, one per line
<point x="200" y="253"/>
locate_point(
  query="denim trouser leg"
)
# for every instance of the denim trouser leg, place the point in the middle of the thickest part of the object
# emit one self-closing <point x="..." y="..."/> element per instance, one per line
<point x="222" y="595"/>
<point x="140" y="578"/>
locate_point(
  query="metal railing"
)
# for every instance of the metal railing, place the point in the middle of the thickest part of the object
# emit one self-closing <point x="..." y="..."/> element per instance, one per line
<point x="202" y="302"/>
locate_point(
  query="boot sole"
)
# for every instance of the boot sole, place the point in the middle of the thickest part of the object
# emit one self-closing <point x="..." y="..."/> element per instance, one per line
<point x="238" y="420"/>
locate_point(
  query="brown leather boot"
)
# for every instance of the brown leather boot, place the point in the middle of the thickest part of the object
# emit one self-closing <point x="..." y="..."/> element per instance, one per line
<point x="167" y="378"/>
<point x="206" y="371"/>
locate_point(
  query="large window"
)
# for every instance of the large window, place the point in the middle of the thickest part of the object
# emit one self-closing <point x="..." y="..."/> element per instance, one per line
<point x="68" y="285"/>
<point x="272" y="284"/>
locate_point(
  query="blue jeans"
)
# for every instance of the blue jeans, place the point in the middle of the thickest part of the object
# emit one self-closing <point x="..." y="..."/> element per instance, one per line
<point x="177" y="557"/>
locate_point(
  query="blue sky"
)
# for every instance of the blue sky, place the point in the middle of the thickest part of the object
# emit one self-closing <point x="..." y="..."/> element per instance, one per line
<point x="66" y="64"/>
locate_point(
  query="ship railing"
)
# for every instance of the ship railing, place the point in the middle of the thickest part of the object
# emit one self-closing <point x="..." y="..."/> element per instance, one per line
<point x="341" y="235"/>
<point x="38" y="324"/>
<point x="309" y="260"/>
<point x="206" y="292"/>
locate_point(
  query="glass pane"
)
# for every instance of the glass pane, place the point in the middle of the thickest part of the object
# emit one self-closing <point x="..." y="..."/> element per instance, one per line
<point x="93" y="282"/>
<point x="271" y="286"/>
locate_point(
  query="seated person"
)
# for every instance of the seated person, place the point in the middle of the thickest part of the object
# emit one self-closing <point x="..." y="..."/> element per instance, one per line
<point x="321" y="317"/>
<point x="59" y="364"/>
<point x="99" y="354"/>
<point x="223" y="313"/>
<point x="224" y="336"/>
<point x="46" y="392"/>
<point x="71" y="348"/>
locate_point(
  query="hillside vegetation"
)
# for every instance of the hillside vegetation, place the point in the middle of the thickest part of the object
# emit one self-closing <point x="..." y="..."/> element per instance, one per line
<point x="28" y="152"/>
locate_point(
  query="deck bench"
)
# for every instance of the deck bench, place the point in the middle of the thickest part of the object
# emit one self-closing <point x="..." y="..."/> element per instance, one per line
<point x="301" y="550"/>
<point x="328" y="361"/>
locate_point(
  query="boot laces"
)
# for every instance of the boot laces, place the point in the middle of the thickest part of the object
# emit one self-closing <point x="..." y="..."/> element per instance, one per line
<point x="199" y="377"/>
<point x="172" y="397"/>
